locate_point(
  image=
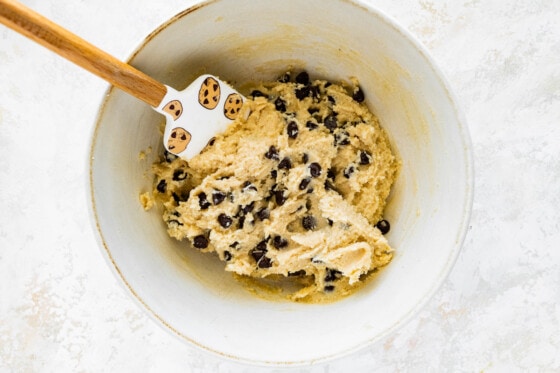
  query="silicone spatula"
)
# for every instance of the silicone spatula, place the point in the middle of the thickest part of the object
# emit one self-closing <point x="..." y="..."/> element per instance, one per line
<point x="193" y="115"/>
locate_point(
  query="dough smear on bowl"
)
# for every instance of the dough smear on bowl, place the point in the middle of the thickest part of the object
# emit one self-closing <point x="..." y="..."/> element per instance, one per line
<point x="294" y="189"/>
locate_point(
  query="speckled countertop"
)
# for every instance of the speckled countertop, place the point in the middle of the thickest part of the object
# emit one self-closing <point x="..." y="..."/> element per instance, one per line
<point x="61" y="308"/>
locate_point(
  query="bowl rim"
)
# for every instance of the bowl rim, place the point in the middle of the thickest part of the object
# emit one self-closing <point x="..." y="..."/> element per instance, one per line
<point x="444" y="273"/>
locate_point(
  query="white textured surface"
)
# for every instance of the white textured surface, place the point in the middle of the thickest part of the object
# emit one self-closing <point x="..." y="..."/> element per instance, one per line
<point x="61" y="308"/>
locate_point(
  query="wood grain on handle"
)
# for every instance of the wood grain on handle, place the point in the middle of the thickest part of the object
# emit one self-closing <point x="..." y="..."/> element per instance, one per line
<point x="61" y="41"/>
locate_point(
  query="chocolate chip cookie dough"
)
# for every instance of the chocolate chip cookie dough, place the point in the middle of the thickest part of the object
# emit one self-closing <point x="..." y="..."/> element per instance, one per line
<point x="295" y="188"/>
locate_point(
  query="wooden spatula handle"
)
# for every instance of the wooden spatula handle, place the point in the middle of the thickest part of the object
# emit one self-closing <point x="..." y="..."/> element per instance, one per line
<point x="61" y="41"/>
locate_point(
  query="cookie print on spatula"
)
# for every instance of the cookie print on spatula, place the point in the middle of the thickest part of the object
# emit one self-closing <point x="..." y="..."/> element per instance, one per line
<point x="203" y="109"/>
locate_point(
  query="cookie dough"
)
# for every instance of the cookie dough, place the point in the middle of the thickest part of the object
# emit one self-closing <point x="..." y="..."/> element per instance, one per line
<point x="294" y="189"/>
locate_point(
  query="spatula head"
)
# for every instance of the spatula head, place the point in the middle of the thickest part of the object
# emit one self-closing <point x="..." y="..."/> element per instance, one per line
<point x="196" y="114"/>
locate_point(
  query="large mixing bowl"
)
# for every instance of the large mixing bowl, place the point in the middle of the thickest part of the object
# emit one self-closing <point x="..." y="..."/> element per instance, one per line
<point x="189" y="293"/>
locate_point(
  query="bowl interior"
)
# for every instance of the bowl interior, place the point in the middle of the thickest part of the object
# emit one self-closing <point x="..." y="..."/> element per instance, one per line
<point x="190" y="293"/>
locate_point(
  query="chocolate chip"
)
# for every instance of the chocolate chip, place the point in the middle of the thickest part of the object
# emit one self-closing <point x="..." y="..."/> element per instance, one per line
<point x="330" y="98"/>
<point x="383" y="226"/>
<point x="162" y="186"/>
<point x="342" y="138"/>
<point x="305" y="158"/>
<point x="218" y="197"/>
<point x="292" y="130"/>
<point x="365" y="157"/>
<point x="274" y="174"/>
<point x="258" y="253"/>
<point x="329" y="288"/>
<point x="200" y="242"/>
<point x="280" y="105"/>
<point x="280" y="197"/>
<point x="263" y="213"/>
<point x="313" y="110"/>
<point x="330" y="222"/>
<point x="302" y="92"/>
<point x="174" y="222"/>
<point x="315" y="169"/>
<point x="304" y="183"/>
<point x="257" y="93"/>
<point x="302" y="78"/>
<point x="332" y="275"/>
<point x="329" y="186"/>
<point x="234" y="244"/>
<point x="315" y="92"/>
<point x="212" y="141"/>
<point x="224" y="220"/>
<point x="311" y="125"/>
<point x="309" y="223"/>
<point x="227" y="256"/>
<point x="301" y="272"/>
<point x="265" y="262"/>
<point x="285" y="164"/>
<point x="331" y="173"/>
<point x="279" y="242"/>
<point x="349" y="171"/>
<point x="331" y="122"/>
<point x="248" y="208"/>
<point x="203" y="201"/>
<point x="358" y="94"/>
<point x="272" y="153"/>
<point x="241" y="222"/>
<point x="310" y="190"/>
<point x="248" y="186"/>
<point x="179" y="175"/>
<point x="284" y="78"/>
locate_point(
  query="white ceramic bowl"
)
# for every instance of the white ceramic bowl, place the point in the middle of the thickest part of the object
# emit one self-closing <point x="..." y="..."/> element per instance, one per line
<point x="188" y="293"/>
